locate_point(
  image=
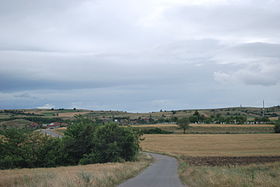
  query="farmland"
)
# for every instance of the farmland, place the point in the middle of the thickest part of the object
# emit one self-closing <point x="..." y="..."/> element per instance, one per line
<point x="214" y="145"/>
<point x="222" y="159"/>
<point x="238" y="153"/>
<point x="233" y="115"/>
<point x="103" y="175"/>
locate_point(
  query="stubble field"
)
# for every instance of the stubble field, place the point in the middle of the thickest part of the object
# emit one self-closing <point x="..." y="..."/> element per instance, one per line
<point x="222" y="159"/>
<point x="214" y="145"/>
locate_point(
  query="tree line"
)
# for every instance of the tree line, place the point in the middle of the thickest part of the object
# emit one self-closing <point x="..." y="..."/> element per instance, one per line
<point x="84" y="142"/>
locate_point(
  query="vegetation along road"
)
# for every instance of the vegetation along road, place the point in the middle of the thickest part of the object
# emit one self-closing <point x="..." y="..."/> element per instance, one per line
<point x="162" y="173"/>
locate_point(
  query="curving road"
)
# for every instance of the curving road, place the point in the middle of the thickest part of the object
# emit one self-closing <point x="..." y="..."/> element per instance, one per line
<point x="162" y="173"/>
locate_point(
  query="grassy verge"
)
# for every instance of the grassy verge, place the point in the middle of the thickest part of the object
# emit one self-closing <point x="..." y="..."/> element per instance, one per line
<point x="248" y="175"/>
<point x="101" y="175"/>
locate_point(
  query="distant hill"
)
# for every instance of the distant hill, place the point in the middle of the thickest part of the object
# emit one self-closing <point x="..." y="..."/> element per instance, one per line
<point x="60" y="115"/>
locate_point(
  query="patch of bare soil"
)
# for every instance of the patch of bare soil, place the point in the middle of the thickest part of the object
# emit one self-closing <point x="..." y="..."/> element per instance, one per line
<point x="224" y="161"/>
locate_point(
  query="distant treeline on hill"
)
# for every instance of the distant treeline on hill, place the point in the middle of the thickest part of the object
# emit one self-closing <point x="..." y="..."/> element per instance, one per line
<point x="19" y="112"/>
<point x="38" y="120"/>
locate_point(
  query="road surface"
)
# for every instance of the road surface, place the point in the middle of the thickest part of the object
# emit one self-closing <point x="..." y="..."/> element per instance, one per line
<point x="50" y="133"/>
<point x="162" y="173"/>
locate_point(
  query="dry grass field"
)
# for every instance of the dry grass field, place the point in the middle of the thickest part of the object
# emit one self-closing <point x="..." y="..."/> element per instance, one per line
<point x="253" y="175"/>
<point x="101" y="175"/>
<point x="71" y="114"/>
<point x="214" y="145"/>
<point x="238" y="159"/>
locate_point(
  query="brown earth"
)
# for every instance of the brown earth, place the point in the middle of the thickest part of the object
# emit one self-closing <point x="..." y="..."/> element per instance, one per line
<point x="226" y="161"/>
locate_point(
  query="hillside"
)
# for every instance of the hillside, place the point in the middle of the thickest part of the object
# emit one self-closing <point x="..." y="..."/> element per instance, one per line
<point x="17" y="123"/>
<point x="219" y="115"/>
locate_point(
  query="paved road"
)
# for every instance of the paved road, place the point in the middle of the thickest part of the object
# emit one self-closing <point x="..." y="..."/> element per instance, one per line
<point x="162" y="173"/>
<point x="51" y="133"/>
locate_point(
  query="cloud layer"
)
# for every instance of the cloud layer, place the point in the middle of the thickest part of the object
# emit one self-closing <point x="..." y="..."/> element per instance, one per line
<point x="139" y="55"/>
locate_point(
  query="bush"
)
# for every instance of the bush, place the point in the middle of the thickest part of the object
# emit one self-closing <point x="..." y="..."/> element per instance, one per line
<point x="115" y="143"/>
<point x="79" y="139"/>
<point x="20" y="148"/>
<point x="277" y="127"/>
<point x="155" y="131"/>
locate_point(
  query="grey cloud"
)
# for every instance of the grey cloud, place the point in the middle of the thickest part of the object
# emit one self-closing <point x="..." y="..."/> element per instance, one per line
<point x="9" y="83"/>
<point x="25" y="96"/>
<point x="257" y="19"/>
<point x="138" y="56"/>
<point x="258" y="49"/>
<point x="250" y="63"/>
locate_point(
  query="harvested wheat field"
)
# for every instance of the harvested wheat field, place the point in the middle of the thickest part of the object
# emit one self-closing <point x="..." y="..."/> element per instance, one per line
<point x="71" y="114"/>
<point x="214" y="144"/>
<point x="101" y="175"/>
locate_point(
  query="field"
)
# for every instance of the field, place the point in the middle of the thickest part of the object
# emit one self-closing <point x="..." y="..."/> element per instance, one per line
<point x="222" y="159"/>
<point x="103" y="175"/>
<point x="214" y="145"/>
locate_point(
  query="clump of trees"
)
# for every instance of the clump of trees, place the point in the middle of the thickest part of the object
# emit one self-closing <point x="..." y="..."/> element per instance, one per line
<point x="84" y="142"/>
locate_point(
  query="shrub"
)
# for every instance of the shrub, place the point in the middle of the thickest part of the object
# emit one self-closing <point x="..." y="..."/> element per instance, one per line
<point x="20" y="148"/>
<point x="114" y="143"/>
<point x="155" y="130"/>
<point x="277" y="127"/>
<point x="79" y="139"/>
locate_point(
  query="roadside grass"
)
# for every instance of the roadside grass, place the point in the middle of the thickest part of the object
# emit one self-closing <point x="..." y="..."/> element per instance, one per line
<point x="250" y="175"/>
<point x="223" y="149"/>
<point x="101" y="175"/>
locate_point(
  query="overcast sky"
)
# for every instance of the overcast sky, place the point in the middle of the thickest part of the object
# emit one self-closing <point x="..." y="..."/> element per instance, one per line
<point x="139" y="55"/>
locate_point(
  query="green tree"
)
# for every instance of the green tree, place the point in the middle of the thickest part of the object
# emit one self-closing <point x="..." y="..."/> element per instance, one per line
<point x="21" y="148"/>
<point x="277" y="127"/>
<point x="79" y="138"/>
<point x="113" y="143"/>
<point x="183" y="123"/>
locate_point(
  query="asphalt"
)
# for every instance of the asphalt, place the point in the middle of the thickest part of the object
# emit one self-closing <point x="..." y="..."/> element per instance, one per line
<point x="162" y="173"/>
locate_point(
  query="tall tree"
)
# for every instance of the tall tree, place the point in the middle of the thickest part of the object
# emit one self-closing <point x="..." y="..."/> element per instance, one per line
<point x="183" y="123"/>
